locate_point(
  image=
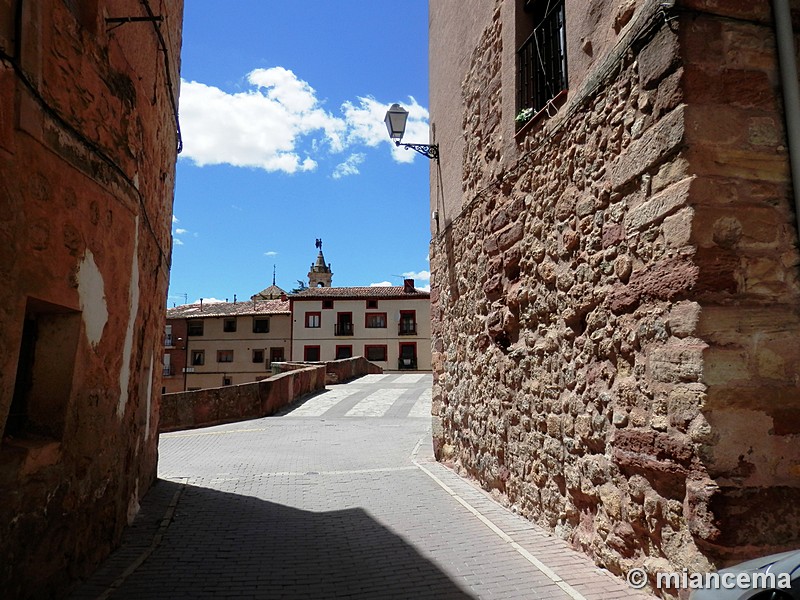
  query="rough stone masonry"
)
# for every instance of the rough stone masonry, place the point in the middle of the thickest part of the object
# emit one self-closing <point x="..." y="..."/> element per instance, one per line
<point x="615" y="301"/>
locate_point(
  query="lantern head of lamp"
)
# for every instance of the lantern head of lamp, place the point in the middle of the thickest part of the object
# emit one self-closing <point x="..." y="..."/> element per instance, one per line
<point x="395" y="120"/>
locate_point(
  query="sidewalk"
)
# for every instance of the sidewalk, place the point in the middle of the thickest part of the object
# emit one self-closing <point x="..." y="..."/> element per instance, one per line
<point x="344" y="502"/>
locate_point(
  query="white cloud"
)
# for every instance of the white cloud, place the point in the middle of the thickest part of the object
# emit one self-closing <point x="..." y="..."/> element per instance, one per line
<point x="365" y="123"/>
<point x="271" y="253"/>
<point x="381" y="284"/>
<point x="421" y="275"/>
<point x="208" y="301"/>
<point x="423" y="288"/>
<point x="177" y="242"/>
<point x="279" y="124"/>
<point x="174" y="219"/>
<point x="348" y="167"/>
<point x="181" y="231"/>
<point x="259" y="128"/>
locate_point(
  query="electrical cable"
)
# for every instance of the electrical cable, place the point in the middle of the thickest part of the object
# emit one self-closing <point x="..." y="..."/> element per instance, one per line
<point x="170" y="87"/>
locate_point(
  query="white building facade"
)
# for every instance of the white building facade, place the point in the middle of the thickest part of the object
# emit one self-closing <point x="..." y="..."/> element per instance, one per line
<point x="389" y="326"/>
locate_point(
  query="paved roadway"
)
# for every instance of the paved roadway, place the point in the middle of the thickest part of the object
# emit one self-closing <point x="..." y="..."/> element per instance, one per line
<point x="338" y="497"/>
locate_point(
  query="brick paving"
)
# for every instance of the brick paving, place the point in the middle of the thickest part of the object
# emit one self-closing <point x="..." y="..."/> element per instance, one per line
<point x="338" y="497"/>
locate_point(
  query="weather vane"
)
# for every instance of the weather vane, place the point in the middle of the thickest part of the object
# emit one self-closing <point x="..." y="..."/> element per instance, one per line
<point x="319" y="244"/>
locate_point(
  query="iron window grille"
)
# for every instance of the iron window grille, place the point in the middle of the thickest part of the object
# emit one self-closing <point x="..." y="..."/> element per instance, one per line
<point x="542" y="58"/>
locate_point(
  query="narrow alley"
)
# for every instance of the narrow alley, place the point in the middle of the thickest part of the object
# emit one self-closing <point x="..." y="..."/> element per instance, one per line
<point x="338" y="497"/>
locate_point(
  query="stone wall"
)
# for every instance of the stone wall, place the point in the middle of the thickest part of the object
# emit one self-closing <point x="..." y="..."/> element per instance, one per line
<point x="336" y="371"/>
<point x="615" y="308"/>
<point x="213" y="406"/>
<point x="88" y="144"/>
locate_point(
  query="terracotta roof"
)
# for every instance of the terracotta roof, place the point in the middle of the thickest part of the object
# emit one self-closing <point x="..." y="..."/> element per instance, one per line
<point x="360" y="292"/>
<point x="229" y="309"/>
<point x="270" y="293"/>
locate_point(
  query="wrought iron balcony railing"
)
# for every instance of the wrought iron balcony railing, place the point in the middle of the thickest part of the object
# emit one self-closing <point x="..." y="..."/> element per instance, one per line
<point x="407" y="364"/>
<point x="343" y="329"/>
<point x="407" y="328"/>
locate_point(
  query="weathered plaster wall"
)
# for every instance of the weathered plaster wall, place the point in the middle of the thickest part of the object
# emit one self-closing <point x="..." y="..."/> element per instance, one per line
<point x="615" y="307"/>
<point x="87" y="155"/>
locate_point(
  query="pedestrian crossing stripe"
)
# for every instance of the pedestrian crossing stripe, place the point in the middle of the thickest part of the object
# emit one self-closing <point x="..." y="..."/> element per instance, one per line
<point x="422" y="407"/>
<point x="376" y="404"/>
<point x="318" y="405"/>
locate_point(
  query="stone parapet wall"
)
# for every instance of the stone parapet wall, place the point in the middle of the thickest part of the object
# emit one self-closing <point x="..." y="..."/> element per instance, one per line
<point x="336" y="371"/>
<point x="214" y="406"/>
<point x="615" y="310"/>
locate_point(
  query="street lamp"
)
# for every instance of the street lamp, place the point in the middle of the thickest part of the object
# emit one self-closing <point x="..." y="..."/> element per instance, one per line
<point x="395" y="120"/>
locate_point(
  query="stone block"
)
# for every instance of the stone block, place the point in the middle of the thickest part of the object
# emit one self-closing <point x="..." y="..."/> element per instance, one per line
<point x="678" y="361"/>
<point x="683" y="318"/>
<point x="655" y="208"/>
<point x="657" y="58"/>
<point x="510" y="236"/>
<point x="725" y="366"/>
<point x="658" y="143"/>
<point x="677" y="228"/>
<point x="742" y="163"/>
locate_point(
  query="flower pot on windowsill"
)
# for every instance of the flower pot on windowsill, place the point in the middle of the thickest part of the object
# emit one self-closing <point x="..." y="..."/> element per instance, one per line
<point x="552" y="106"/>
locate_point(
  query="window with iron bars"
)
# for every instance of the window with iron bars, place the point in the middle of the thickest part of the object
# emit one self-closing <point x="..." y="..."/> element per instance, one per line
<point x="542" y="58"/>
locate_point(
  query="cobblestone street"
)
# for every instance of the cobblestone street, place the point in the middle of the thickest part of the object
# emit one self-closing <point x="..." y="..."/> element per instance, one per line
<point x="338" y="498"/>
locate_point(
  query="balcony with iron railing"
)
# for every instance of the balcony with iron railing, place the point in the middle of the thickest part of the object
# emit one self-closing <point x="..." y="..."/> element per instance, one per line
<point x="343" y="328"/>
<point x="407" y="328"/>
<point x="168" y="371"/>
<point x="407" y="364"/>
<point x="169" y="341"/>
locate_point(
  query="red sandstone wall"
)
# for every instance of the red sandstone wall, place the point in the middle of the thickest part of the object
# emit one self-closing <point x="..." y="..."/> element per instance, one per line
<point x="87" y="152"/>
<point x="201" y="408"/>
<point x="337" y="371"/>
<point x="615" y="301"/>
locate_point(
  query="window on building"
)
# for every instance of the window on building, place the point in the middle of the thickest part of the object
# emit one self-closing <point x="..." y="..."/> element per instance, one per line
<point x="45" y="366"/>
<point x="408" y="322"/>
<point x="375" y="353"/>
<point x="375" y="321"/>
<point x="372" y="304"/>
<point x="408" y="356"/>
<point x="260" y="325"/>
<point x="224" y="356"/>
<point x="313" y="319"/>
<point x="198" y="358"/>
<point x="258" y="356"/>
<point x="311" y="353"/>
<point x="327" y="304"/>
<point x="542" y="56"/>
<point x="168" y="336"/>
<point x="275" y="355"/>
<point x="344" y="352"/>
<point x="168" y="371"/>
<point x="229" y="325"/>
<point x="195" y="327"/>
<point x="227" y="380"/>
<point x="344" y="324"/>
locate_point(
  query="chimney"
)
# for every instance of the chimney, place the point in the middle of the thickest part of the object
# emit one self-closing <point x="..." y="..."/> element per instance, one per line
<point x="201" y="304"/>
<point x="284" y="297"/>
<point x="408" y="286"/>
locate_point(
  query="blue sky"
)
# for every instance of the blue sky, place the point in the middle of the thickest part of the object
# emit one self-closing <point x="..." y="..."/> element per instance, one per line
<point x="281" y="109"/>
